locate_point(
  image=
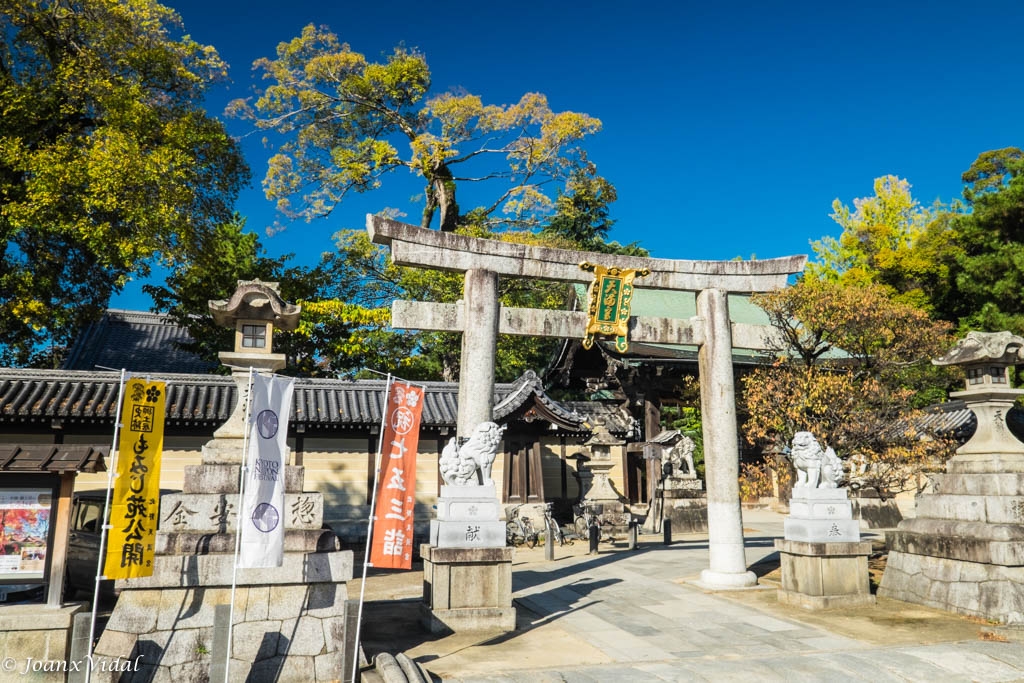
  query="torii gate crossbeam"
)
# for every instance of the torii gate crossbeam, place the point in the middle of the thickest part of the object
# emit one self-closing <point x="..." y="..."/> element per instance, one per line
<point x="481" y="318"/>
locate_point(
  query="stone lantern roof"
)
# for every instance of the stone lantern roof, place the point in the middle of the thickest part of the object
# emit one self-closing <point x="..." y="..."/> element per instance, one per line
<point x="986" y="357"/>
<point x="254" y="310"/>
<point x="602" y="437"/>
<point x="256" y="300"/>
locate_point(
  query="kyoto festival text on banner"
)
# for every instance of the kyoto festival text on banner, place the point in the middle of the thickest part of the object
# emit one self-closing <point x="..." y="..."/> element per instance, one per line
<point x="262" y="513"/>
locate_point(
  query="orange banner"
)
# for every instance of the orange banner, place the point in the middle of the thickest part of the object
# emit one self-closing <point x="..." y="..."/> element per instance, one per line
<point x="391" y="546"/>
<point x="133" y="507"/>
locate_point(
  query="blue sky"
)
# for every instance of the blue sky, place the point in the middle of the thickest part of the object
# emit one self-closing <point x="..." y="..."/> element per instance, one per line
<point x="729" y="127"/>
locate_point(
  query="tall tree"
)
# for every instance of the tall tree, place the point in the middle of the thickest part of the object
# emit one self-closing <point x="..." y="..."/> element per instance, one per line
<point x="989" y="269"/>
<point x="855" y="370"/>
<point x="888" y="239"/>
<point x="108" y="162"/>
<point x="345" y="121"/>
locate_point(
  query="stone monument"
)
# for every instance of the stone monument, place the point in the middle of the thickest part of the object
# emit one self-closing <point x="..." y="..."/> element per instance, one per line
<point x="964" y="550"/>
<point x="290" y="621"/>
<point x="467" y="570"/>
<point x="824" y="563"/>
<point x="680" y="496"/>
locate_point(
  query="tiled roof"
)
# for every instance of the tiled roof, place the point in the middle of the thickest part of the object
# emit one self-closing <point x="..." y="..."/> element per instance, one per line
<point x="33" y="458"/>
<point x="81" y="397"/>
<point x="136" y="341"/>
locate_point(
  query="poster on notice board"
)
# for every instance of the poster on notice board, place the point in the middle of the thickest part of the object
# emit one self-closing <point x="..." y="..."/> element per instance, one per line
<point x="25" y="529"/>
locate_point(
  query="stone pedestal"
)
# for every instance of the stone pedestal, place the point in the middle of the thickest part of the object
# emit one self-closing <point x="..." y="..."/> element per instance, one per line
<point x="824" y="575"/>
<point x="467" y="570"/>
<point x="467" y="517"/>
<point x="289" y="621"/>
<point x="821" y="516"/>
<point x="686" y="505"/>
<point x="964" y="551"/>
<point x="467" y="589"/>
<point x="824" y="563"/>
<point x="601" y="495"/>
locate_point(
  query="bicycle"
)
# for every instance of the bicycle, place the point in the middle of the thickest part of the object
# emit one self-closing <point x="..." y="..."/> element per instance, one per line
<point x="519" y="530"/>
<point x="587" y="516"/>
<point x="552" y="526"/>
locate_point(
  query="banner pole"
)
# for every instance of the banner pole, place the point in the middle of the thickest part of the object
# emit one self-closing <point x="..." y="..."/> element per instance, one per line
<point x="238" y="525"/>
<point x="103" y="522"/>
<point x="369" y="526"/>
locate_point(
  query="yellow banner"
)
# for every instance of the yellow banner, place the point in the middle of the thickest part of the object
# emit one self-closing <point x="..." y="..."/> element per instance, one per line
<point x="136" y="498"/>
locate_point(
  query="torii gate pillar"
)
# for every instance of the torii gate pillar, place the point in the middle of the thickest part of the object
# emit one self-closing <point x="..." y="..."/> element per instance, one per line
<point x="476" y="379"/>
<point x="727" y="562"/>
<point x="480" y="318"/>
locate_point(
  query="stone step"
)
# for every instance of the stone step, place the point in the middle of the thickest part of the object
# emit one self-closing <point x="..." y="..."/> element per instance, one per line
<point x="996" y="544"/>
<point x="223" y="478"/>
<point x="991" y="509"/>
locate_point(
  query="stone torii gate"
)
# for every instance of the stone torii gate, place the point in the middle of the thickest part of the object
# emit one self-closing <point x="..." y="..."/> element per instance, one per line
<point x="480" y="318"/>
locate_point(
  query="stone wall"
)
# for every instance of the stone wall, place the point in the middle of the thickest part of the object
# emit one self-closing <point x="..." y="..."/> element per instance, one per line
<point x="36" y="634"/>
<point x="284" y="633"/>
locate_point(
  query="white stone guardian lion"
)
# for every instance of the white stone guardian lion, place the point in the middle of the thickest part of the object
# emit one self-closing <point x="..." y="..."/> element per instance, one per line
<point x="815" y="468"/>
<point x="459" y="464"/>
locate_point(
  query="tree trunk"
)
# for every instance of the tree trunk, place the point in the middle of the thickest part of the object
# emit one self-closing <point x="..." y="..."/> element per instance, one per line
<point x="441" y="196"/>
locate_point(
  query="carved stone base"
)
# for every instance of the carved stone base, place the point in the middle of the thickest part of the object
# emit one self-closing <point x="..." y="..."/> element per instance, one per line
<point x="821" y="516"/>
<point x="824" y="575"/>
<point x="467" y="590"/>
<point x="467" y="517"/>
<point x="964" y="552"/>
<point x="687" y="510"/>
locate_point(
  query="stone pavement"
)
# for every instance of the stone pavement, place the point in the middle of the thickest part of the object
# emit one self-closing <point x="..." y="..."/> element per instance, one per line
<point x="633" y="616"/>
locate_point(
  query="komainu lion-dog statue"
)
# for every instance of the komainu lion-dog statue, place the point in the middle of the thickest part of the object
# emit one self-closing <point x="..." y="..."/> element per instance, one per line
<point x="815" y="468"/>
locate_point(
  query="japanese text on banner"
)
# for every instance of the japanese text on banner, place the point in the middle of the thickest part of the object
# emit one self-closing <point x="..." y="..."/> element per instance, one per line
<point x="136" y="495"/>
<point x="396" y="487"/>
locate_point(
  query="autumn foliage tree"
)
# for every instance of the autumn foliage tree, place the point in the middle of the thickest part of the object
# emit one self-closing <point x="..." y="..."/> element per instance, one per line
<point x="343" y="123"/>
<point x="853" y="367"/>
<point x="108" y="162"/>
<point x="347" y="123"/>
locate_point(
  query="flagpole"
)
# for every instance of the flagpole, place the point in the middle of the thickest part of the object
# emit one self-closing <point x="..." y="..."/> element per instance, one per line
<point x="238" y="524"/>
<point x="369" y="527"/>
<point x="103" y="521"/>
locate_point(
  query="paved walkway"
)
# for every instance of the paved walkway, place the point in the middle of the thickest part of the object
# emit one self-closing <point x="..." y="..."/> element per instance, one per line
<point x="632" y="616"/>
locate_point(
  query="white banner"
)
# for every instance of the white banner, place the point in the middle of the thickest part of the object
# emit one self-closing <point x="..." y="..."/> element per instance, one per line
<point x="262" y="513"/>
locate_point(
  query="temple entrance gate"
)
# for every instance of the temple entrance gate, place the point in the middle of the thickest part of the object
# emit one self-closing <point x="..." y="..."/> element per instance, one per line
<point x="480" y="318"/>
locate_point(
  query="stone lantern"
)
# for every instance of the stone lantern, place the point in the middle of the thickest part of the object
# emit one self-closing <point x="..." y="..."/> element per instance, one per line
<point x="293" y="625"/>
<point x="253" y="311"/>
<point x="599" y="492"/>
<point x="986" y="358"/>
<point x="964" y="549"/>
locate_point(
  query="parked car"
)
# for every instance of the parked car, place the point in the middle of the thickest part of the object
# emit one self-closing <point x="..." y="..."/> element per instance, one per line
<point x="84" y="545"/>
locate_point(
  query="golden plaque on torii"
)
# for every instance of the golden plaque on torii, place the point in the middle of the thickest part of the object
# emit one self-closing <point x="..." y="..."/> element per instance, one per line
<point x="609" y="297"/>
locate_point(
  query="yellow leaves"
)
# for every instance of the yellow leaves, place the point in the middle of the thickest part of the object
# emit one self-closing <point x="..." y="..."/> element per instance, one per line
<point x="456" y="114"/>
<point x="343" y="312"/>
<point x="525" y="200"/>
<point x="336" y="110"/>
<point x="334" y="66"/>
